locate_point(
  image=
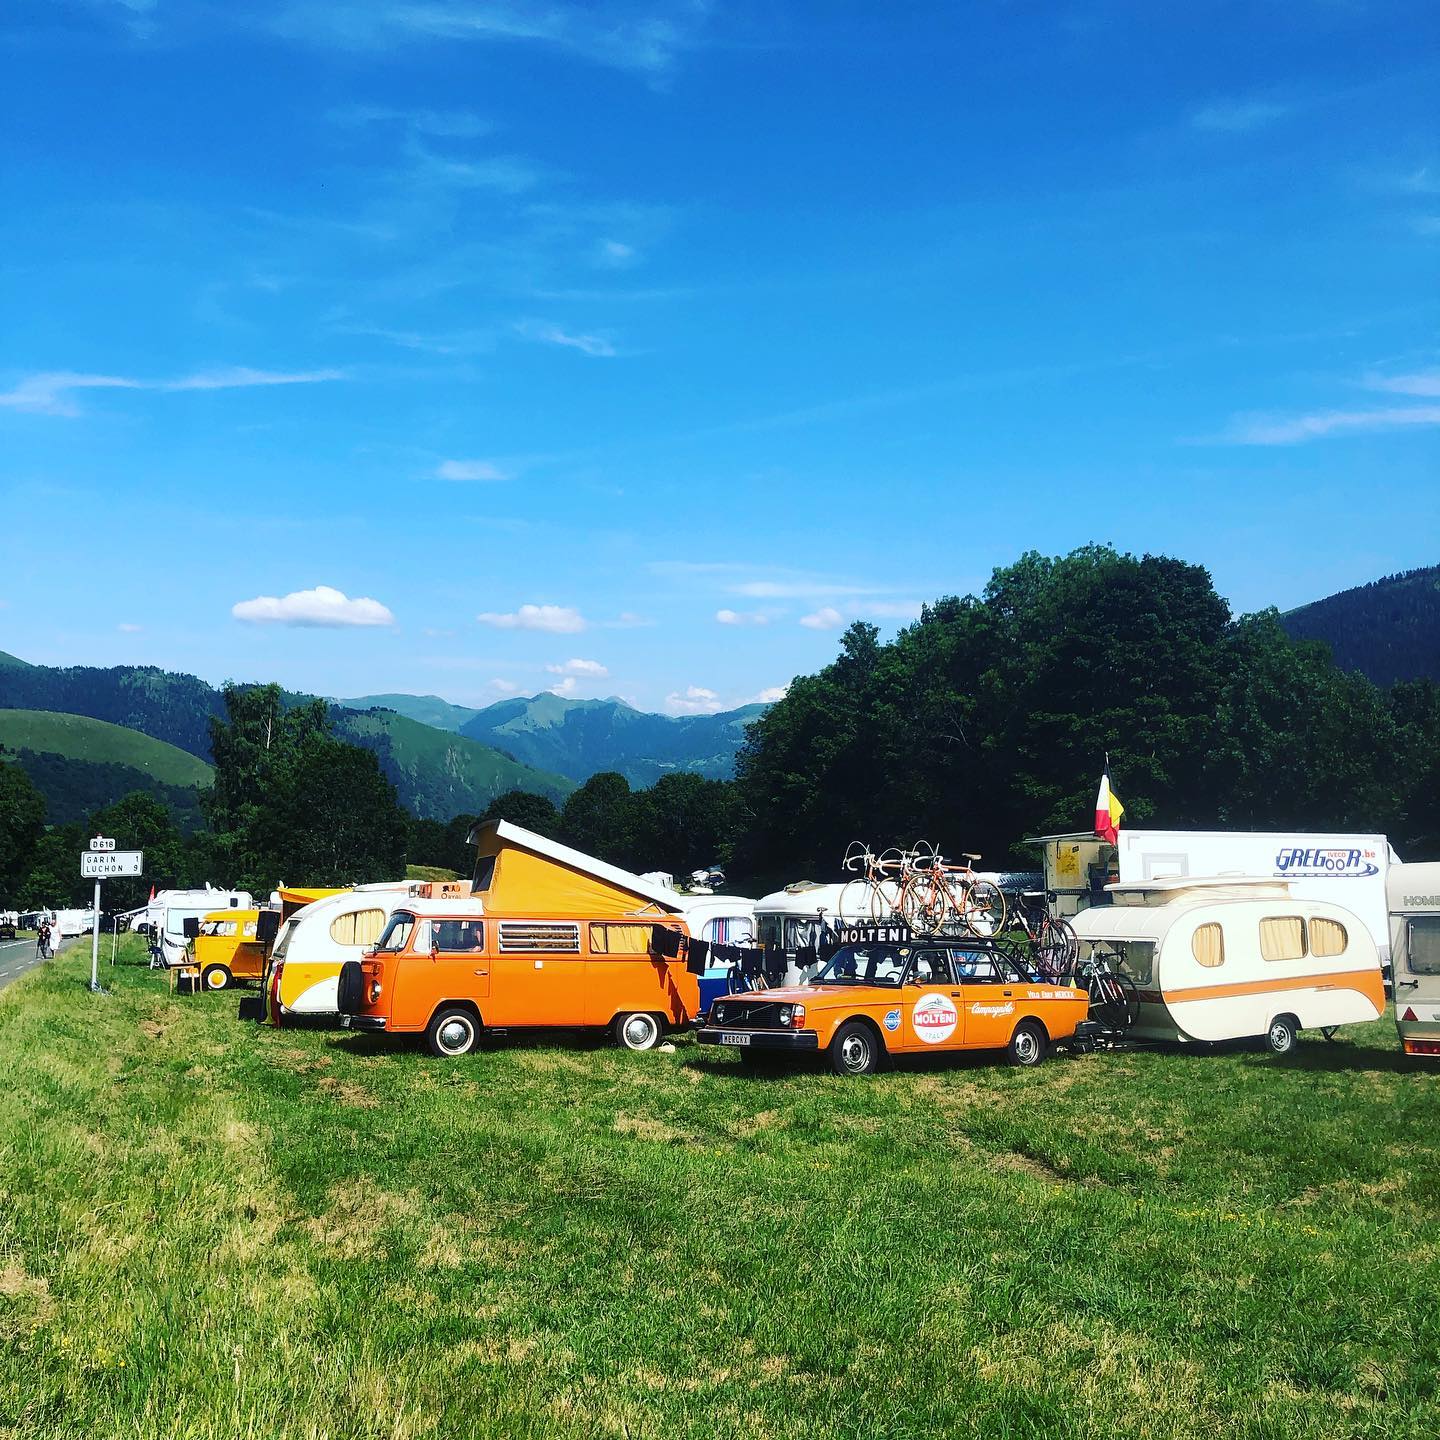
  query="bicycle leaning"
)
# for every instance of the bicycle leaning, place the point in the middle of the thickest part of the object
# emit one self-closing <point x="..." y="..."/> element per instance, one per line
<point x="1052" y="939"/>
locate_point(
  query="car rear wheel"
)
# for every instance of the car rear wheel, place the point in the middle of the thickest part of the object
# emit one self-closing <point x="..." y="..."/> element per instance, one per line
<point x="1282" y="1034"/>
<point x="1028" y="1045"/>
<point x="854" y="1050"/>
<point x="215" y="977"/>
<point x="639" y="1030"/>
<point x="452" y="1032"/>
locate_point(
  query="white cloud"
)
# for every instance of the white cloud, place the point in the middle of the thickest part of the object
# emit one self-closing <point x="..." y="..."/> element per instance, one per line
<point x="825" y="618"/>
<point x="448" y="124"/>
<point x="629" y="620"/>
<point x="505" y="687"/>
<point x="615" y="255"/>
<point x="565" y="687"/>
<point x="1296" y="429"/>
<point x="49" y="393"/>
<point x="1424" y="383"/>
<point x="321" y="607"/>
<point x="557" y="619"/>
<point x="769" y="696"/>
<point x="799" y="589"/>
<point x="591" y="668"/>
<point x="126" y="628"/>
<point x="696" y="700"/>
<point x="742" y="617"/>
<point x="545" y="333"/>
<point x="469" y="470"/>
<point x="1234" y="117"/>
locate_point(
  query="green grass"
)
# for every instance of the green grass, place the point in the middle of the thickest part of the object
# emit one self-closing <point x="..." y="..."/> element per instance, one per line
<point x="208" y="1230"/>
<point x="78" y="737"/>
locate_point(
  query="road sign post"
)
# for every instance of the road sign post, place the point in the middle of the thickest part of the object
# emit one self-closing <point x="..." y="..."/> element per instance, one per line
<point x="102" y="861"/>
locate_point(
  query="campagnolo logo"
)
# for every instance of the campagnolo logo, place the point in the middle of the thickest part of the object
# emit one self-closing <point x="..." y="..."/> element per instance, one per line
<point x="1318" y="862"/>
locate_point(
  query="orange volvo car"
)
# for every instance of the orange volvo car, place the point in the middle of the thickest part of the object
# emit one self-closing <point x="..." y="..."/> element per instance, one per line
<point x="875" y="1000"/>
<point x="452" y="972"/>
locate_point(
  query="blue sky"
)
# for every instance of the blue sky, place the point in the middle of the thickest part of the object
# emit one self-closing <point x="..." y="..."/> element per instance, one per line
<point x="634" y="348"/>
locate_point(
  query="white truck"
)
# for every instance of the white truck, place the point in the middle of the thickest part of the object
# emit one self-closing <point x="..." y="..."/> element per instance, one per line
<point x="1345" y="869"/>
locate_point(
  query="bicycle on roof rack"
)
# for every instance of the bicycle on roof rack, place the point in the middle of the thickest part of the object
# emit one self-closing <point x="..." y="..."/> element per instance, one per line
<point x="1052" y="939"/>
<point x="951" y="898"/>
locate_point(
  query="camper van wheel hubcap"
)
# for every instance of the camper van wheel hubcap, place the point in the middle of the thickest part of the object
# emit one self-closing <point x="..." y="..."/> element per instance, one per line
<point x="639" y="1032"/>
<point x="854" y="1052"/>
<point x="454" y="1034"/>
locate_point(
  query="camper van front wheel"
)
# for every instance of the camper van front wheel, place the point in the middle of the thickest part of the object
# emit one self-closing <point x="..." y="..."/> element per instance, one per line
<point x="451" y="1033"/>
<point x="216" y="977"/>
<point x="1280" y="1037"/>
<point x="638" y="1030"/>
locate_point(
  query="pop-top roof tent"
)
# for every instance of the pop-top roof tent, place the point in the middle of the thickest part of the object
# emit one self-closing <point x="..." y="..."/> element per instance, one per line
<point x="518" y="872"/>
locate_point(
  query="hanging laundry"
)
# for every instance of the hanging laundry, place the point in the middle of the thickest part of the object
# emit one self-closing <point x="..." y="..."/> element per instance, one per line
<point x="697" y="956"/>
<point x="774" y="965"/>
<point x="805" y="956"/>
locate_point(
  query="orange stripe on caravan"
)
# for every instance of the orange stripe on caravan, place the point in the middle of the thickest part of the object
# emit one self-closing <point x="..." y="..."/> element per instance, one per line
<point x="1367" y="982"/>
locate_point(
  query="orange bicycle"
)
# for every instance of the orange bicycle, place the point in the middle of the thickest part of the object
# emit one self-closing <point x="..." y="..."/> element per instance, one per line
<point x="952" y="897"/>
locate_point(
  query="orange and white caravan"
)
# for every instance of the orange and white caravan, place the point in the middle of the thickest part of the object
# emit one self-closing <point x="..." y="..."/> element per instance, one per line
<point x="1413" y="896"/>
<point x="1234" y="957"/>
<point x="320" y="930"/>
<point x="548" y="937"/>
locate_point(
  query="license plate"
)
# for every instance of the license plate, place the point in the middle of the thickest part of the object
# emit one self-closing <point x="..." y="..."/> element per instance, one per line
<point x="731" y="1039"/>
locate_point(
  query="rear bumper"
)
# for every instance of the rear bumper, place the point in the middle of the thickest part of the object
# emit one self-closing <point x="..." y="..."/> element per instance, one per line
<point x="787" y="1040"/>
<point x="363" y="1022"/>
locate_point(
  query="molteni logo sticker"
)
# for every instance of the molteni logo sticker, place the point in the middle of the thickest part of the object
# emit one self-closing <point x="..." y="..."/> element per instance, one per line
<point x="1325" y="863"/>
<point x="934" y="1018"/>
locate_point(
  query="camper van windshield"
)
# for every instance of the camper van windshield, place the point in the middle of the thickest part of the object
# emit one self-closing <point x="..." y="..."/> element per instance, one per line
<point x="397" y="933"/>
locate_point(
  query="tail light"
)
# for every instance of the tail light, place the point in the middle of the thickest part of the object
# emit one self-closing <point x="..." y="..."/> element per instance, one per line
<point x="1422" y="1047"/>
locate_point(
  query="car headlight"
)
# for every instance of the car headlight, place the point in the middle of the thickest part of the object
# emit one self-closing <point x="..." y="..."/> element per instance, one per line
<point x="792" y="1017"/>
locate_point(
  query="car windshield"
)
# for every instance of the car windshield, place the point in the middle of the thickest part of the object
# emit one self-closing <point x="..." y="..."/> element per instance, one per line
<point x="864" y="965"/>
<point x="397" y="932"/>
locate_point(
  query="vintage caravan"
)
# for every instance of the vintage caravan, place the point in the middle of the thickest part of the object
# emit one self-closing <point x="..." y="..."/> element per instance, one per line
<point x="320" y="930"/>
<point x="1345" y="869"/>
<point x="1233" y="957"/>
<point x="1414" y="898"/>
<point x="798" y="917"/>
<point x="168" y="912"/>
<point x="548" y="937"/>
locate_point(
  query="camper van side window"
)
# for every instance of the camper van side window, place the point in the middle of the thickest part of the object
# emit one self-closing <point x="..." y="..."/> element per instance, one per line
<point x="1327" y="937"/>
<point x="1207" y="945"/>
<point x="1282" y="937"/>
<point x="539" y="937"/>
<point x="620" y="939"/>
<point x="1424" y="945"/>
<point x="484" y="874"/>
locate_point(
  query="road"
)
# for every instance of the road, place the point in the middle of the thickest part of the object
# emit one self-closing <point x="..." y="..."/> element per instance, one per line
<point x="18" y="956"/>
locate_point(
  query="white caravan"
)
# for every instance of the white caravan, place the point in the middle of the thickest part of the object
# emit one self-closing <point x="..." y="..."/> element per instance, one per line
<point x="1414" y="892"/>
<point x="68" y="923"/>
<point x="797" y="917"/>
<point x="304" y="972"/>
<point x="1231" y="957"/>
<point x="720" y="919"/>
<point x="1347" y="870"/>
<point x="167" y="913"/>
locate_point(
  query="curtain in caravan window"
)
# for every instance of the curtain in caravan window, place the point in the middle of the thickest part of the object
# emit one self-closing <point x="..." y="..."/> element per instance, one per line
<point x="1208" y="945"/>
<point x="1327" y="937"/>
<point x="620" y="939"/>
<point x="359" y="927"/>
<point x="1282" y="937"/>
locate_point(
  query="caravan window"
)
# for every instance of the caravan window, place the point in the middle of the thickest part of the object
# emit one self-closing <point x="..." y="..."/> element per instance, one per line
<point x="1282" y="937"/>
<point x="1423" y="944"/>
<point x="1135" y="957"/>
<point x="1327" y="937"/>
<point x="1207" y="945"/>
<point x="729" y="930"/>
<point x="357" y="927"/>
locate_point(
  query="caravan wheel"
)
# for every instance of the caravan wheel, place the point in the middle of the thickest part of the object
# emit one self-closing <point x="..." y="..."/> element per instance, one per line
<point x="1280" y="1037"/>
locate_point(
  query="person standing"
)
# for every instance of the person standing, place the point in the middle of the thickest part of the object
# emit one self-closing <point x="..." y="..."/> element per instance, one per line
<point x="42" y="940"/>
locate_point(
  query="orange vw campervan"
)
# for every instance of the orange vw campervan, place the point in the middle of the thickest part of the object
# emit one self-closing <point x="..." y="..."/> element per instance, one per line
<point x="452" y="971"/>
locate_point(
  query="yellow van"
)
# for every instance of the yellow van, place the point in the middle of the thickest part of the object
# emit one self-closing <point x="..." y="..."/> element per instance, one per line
<point x="226" y="949"/>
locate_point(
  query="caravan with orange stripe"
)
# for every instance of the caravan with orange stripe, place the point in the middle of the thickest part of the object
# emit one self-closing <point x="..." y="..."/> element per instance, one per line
<point x="1235" y="957"/>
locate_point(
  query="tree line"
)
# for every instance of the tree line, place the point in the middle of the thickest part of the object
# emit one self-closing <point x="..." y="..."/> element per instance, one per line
<point x="985" y="721"/>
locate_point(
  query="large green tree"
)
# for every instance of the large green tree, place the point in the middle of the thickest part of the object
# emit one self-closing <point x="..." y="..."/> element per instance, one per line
<point x="22" y="823"/>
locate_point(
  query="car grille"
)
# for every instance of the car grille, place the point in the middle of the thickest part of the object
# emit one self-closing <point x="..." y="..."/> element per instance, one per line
<point x="747" y="1014"/>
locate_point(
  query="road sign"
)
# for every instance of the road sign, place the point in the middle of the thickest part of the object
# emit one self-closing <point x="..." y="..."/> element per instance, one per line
<point x="102" y="842"/>
<point x="111" y="864"/>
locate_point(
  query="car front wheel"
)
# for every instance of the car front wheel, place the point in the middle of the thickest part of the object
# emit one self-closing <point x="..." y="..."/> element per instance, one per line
<point x="854" y="1050"/>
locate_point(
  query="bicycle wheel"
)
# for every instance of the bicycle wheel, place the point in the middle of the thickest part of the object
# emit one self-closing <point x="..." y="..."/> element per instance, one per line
<point x="1071" y="943"/>
<point x="1113" y="1001"/>
<point x="856" y="897"/>
<point x="918" y="907"/>
<point x="982" y="912"/>
<point x="1049" y="947"/>
<point x="884" y="902"/>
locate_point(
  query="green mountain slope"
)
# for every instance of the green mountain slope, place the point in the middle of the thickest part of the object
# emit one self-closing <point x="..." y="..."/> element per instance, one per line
<point x="427" y="709"/>
<point x="577" y="738"/>
<point x="1388" y="630"/>
<point x="440" y="775"/>
<point x="13" y="662"/>
<point x="78" y="737"/>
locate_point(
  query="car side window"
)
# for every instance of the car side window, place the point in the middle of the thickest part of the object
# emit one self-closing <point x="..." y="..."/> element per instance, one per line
<point x="975" y="967"/>
<point x="930" y="967"/>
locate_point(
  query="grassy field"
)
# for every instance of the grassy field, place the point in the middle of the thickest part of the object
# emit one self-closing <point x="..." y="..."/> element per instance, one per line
<point x="81" y="738"/>
<point x="209" y="1230"/>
